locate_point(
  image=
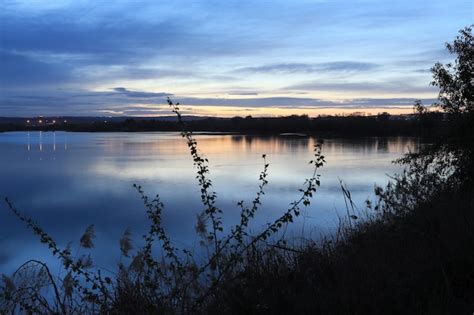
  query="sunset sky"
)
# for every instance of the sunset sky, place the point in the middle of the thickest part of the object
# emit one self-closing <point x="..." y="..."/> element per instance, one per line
<point x="222" y="57"/>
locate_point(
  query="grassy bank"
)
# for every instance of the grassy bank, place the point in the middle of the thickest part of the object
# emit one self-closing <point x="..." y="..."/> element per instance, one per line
<point x="417" y="263"/>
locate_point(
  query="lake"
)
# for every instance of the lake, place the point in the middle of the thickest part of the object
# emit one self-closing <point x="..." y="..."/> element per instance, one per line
<point x="67" y="181"/>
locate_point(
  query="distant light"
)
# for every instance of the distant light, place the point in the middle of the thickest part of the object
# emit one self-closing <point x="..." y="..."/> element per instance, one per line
<point x="28" y="121"/>
<point x="54" y="121"/>
<point x="40" y="121"/>
<point x="65" y="121"/>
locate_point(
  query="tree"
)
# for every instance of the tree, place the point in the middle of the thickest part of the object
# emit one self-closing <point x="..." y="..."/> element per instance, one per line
<point x="454" y="153"/>
<point x="456" y="81"/>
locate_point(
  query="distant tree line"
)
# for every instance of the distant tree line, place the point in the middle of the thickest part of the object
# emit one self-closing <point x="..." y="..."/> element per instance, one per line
<point x="384" y="124"/>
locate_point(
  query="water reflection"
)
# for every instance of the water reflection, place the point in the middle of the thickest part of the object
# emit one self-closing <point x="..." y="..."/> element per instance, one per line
<point x="66" y="181"/>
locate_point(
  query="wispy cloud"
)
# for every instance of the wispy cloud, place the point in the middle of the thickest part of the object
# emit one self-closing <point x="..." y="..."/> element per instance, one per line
<point x="338" y="66"/>
<point x="422" y="70"/>
<point x="243" y="93"/>
<point x="18" y="70"/>
<point x="122" y="101"/>
<point x="140" y="94"/>
<point x="347" y="66"/>
<point x="376" y="86"/>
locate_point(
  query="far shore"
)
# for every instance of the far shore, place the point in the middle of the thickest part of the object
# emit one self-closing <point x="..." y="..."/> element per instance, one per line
<point x="294" y="126"/>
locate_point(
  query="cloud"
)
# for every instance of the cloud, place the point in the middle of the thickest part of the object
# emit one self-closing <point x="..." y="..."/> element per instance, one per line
<point x="382" y="102"/>
<point x="105" y="41"/>
<point x="103" y="74"/>
<point x="122" y="101"/>
<point x="346" y="66"/>
<point x="299" y="102"/>
<point x="140" y="94"/>
<point x="123" y="34"/>
<point x="74" y="102"/>
<point x="279" y="68"/>
<point x="89" y="43"/>
<point x="243" y="93"/>
<point x="384" y="86"/>
<point x="339" y="66"/>
<point x="422" y="70"/>
<point x="19" y="70"/>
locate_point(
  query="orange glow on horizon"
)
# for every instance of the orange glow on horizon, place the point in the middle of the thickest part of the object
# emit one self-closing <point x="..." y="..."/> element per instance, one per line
<point x="145" y="110"/>
<point x="277" y="111"/>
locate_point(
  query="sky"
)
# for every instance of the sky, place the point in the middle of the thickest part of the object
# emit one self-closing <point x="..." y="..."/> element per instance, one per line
<point x="222" y="58"/>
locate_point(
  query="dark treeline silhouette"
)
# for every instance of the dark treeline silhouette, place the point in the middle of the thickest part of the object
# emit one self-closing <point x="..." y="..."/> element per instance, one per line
<point x="379" y="125"/>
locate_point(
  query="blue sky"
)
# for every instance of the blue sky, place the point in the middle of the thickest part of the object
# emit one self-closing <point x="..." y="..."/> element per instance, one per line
<point x="222" y="58"/>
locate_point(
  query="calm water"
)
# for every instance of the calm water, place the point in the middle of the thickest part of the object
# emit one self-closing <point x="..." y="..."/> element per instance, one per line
<point x="66" y="181"/>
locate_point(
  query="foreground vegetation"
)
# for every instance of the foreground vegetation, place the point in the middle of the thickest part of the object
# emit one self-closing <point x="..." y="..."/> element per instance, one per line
<point x="412" y="253"/>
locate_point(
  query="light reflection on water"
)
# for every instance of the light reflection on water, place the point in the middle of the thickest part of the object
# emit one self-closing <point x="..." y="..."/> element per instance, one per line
<point x="66" y="181"/>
